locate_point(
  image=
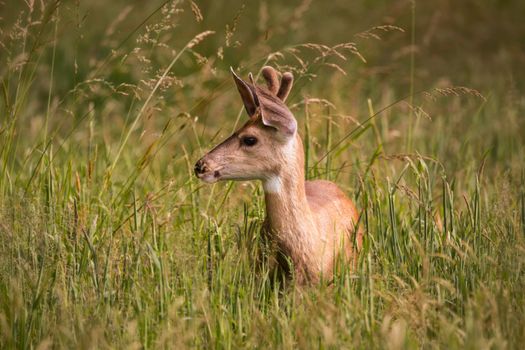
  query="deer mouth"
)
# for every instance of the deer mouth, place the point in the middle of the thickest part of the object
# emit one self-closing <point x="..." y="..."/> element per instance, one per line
<point x="208" y="178"/>
<point x="211" y="177"/>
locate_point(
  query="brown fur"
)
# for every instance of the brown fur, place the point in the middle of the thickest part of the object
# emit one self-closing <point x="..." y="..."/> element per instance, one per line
<point x="310" y="222"/>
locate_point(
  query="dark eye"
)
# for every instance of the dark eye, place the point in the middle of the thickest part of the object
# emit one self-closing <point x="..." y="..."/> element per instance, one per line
<point x="249" y="141"/>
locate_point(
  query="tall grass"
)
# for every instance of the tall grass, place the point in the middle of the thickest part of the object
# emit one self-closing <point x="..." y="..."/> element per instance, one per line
<point x="108" y="241"/>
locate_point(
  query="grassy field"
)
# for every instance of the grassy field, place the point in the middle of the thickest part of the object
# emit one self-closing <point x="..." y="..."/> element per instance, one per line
<point x="107" y="240"/>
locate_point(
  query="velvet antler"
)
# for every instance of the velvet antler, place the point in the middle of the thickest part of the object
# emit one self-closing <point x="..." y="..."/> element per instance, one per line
<point x="281" y="89"/>
<point x="286" y="86"/>
<point x="272" y="80"/>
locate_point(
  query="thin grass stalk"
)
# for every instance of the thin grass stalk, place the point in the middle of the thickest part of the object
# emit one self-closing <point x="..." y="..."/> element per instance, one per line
<point x="412" y="73"/>
<point x="371" y="306"/>
<point x="451" y="215"/>
<point x="306" y="139"/>
<point x="444" y="203"/>
<point x="328" y="164"/>
<point x="377" y="134"/>
<point x="420" y="213"/>
<point x="523" y="212"/>
<point x="51" y="75"/>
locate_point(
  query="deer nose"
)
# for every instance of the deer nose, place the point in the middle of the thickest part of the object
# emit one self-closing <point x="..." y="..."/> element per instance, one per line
<point x="200" y="167"/>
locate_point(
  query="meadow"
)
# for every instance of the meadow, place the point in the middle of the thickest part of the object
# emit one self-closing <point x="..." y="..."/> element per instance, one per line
<point x="108" y="240"/>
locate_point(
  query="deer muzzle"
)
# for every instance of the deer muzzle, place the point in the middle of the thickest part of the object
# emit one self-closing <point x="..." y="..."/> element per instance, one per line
<point x="206" y="171"/>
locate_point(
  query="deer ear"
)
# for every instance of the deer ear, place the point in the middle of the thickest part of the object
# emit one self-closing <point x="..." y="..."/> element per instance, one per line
<point x="286" y="86"/>
<point x="247" y="95"/>
<point x="279" y="118"/>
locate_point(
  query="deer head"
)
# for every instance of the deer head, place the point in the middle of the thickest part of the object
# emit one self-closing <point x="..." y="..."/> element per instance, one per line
<point x="265" y="144"/>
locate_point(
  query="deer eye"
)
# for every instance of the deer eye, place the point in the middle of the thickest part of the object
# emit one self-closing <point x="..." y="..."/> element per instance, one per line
<point x="249" y="141"/>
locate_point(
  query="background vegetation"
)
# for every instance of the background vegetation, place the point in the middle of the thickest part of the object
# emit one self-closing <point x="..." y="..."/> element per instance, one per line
<point x="108" y="241"/>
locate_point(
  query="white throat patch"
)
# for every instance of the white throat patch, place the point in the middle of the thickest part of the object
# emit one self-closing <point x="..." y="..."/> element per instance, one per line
<point x="274" y="183"/>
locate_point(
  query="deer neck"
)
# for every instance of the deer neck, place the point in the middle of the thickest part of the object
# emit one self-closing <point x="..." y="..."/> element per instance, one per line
<point x="287" y="209"/>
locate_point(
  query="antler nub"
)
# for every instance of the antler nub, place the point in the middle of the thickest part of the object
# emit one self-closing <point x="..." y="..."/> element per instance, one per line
<point x="286" y="86"/>
<point x="272" y="80"/>
<point x="281" y="89"/>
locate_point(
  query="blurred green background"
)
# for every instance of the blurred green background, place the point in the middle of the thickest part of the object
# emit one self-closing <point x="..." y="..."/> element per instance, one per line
<point x="408" y="47"/>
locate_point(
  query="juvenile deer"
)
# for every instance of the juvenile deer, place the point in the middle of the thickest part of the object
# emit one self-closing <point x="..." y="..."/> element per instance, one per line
<point x="311" y="223"/>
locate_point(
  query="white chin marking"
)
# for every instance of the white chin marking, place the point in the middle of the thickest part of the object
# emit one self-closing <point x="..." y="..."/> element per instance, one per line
<point x="272" y="185"/>
<point x="209" y="179"/>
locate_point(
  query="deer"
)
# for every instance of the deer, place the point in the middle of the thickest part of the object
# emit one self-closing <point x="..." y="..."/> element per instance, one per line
<point x="312" y="224"/>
